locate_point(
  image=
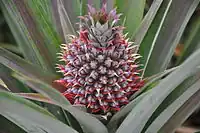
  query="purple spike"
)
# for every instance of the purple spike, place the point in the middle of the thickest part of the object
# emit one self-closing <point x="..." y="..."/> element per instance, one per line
<point x="104" y="7"/>
<point x="91" y="9"/>
<point x="113" y="13"/>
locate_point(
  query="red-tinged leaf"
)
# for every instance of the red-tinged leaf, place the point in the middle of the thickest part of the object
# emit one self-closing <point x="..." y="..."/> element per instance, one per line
<point x="36" y="97"/>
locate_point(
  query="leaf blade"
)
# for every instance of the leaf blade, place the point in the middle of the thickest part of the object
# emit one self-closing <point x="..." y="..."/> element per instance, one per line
<point x="133" y="12"/>
<point x="19" y="65"/>
<point x="170" y="30"/>
<point x="86" y="120"/>
<point x="39" y="121"/>
<point x="119" y="116"/>
<point x="146" y="22"/>
<point x="18" y="29"/>
<point x="148" y="105"/>
<point x="191" y="42"/>
<point x="167" y="114"/>
<point x="67" y="27"/>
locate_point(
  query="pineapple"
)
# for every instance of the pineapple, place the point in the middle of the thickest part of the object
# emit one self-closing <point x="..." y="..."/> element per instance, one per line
<point x="101" y="68"/>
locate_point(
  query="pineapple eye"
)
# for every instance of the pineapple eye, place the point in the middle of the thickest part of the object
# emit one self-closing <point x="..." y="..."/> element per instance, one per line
<point x="100" y="58"/>
<point x="93" y="64"/>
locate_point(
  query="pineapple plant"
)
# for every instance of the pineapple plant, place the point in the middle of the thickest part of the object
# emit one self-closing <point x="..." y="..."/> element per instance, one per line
<point x="109" y="81"/>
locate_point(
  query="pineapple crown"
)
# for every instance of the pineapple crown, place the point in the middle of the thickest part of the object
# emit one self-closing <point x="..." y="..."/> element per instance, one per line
<point x="101" y="68"/>
<point x="99" y="29"/>
<point x="102" y="16"/>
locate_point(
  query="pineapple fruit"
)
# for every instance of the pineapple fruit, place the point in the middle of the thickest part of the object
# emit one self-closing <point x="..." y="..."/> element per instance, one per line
<point x="101" y="68"/>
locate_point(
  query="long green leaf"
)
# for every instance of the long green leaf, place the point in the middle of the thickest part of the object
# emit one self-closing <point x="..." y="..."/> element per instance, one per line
<point x="171" y="111"/>
<point x="69" y="10"/>
<point x="19" y="65"/>
<point x="133" y="13"/>
<point x="49" y="92"/>
<point x="41" y="44"/>
<point x="144" y="110"/>
<point x="183" y="112"/>
<point x="67" y="27"/>
<point x="36" y="97"/>
<point x="44" y="89"/>
<point x="18" y="111"/>
<point x="86" y="121"/>
<point x="38" y="45"/>
<point x="120" y="116"/>
<point x="167" y="35"/>
<point x="191" y="42"/>
<point x="44" y="99"/>
<point x="12" y="84"/>
<point x="152" y="80"/>
<point x="57" y="111"/>
<point x="9" y="127"/>
<point x="11" y="47"/>
<point x="176" y="93"/>
<point x="3" y="87"/>
<point x="19" y="31"/>
<point x="43" y="16"/>
<point x="64" y="116"/>
<point x="146" y="22"/>
<point x="146" y="39"/>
